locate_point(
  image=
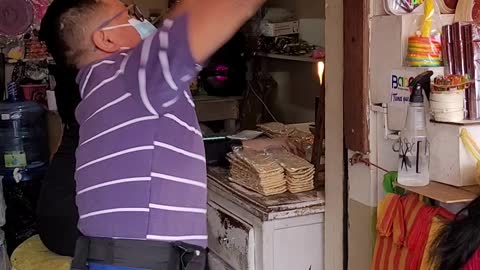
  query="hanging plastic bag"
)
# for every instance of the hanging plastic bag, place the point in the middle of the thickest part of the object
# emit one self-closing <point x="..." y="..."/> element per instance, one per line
<point x="390" y="184"/>
<point x="424" y="45"/>
<point x="402" y="7"/>
<point x="21" y="215"/>
<point x="473" y="149"/>
<point x="40" y="8"/>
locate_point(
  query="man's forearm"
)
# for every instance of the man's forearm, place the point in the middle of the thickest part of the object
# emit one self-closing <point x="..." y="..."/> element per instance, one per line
<point x="214" y="22"/>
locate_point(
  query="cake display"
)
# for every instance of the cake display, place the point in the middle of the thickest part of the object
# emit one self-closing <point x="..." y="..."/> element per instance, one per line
<point x="424" y="47"/>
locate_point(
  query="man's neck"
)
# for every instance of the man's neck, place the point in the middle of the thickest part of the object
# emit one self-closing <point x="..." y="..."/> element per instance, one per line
<point x="91" y="58"/>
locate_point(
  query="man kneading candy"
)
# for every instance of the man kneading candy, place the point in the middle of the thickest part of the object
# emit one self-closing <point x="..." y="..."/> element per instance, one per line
<point x="140" y="163"/>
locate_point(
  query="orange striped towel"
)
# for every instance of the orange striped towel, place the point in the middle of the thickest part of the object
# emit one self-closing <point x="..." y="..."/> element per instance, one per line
<point x="396" y="217"/>
<point x="406" y="228"/>
<point x="386" y="212"/>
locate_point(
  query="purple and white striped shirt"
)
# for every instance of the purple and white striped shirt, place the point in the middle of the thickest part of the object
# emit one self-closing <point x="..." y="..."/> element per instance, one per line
<point x="141" y="171"/>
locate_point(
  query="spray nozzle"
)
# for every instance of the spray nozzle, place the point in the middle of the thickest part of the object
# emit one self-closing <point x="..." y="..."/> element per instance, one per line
<point x="419" y="83"/>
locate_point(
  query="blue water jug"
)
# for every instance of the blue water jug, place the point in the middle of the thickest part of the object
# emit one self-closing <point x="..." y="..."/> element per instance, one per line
<point x="23" y="141"/>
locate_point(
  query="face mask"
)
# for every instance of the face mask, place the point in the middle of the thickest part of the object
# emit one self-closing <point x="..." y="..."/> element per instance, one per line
<point x="144" y="29"/>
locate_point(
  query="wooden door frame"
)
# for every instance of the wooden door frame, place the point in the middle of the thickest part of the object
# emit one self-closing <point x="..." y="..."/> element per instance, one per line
<point x="334" y="146"/>
<point x="347" y="54"/>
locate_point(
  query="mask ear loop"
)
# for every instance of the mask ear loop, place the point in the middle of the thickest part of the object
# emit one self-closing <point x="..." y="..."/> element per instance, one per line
<point x="114" y="27"/>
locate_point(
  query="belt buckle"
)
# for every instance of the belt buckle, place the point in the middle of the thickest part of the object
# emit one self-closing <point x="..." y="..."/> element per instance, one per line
<point x="186" y="251"/>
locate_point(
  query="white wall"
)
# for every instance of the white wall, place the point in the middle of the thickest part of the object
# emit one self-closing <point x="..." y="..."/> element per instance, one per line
<point x="298" y="82"/>
<point x="298" y="85"/>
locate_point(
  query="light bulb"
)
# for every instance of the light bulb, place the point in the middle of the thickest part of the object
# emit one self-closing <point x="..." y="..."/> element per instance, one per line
<point x="320" y="70"/>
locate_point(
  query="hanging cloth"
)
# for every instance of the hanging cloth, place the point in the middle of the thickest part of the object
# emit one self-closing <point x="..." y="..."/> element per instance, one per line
<point x="403" y="231"/>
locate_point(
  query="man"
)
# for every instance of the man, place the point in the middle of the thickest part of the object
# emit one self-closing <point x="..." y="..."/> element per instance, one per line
<point x="141" y="172"/>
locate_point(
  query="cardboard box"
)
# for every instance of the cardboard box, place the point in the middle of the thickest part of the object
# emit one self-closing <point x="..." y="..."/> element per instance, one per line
<point x="450" y="162"/>
<point x="280" y="29"/>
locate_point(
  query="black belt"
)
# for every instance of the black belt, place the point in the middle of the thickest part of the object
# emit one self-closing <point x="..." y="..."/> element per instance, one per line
<point x="144" y="254"/>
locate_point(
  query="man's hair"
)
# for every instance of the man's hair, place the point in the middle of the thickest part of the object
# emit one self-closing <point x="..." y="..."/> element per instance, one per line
<point x="64" y="28"/>
<point x="61" y="29"/>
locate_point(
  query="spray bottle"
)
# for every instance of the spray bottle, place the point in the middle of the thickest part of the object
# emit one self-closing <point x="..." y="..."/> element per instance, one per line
<point x="413" y="146"/>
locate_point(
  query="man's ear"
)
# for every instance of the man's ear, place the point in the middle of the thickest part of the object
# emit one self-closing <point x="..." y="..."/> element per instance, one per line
<point x="103" y="42"/>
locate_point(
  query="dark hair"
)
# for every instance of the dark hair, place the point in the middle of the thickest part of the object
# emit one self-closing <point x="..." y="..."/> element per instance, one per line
<point x="458" y="240"/>
<point x="66" y="91"/>
<point x="62" y="28"/>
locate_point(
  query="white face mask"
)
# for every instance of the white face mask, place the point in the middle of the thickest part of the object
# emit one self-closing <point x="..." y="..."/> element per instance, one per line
<point x="144" y="29"/>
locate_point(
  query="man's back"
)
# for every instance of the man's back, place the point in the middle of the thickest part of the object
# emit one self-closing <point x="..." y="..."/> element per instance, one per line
<point x="141" y="170"/>
<point x="140" y="161"/>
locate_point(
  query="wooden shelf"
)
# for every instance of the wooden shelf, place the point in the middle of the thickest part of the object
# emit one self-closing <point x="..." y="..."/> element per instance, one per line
<point x="445" y="193"/>
<point x="210" y="108"/>
<point x="459" y="123"/>
<point x="301" y="58"/>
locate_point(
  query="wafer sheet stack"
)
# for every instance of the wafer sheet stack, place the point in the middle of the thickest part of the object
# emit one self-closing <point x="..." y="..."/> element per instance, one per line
<point x="275" y="129"/>
<point x="257" y="171"/>
<point x="299" y="173"/>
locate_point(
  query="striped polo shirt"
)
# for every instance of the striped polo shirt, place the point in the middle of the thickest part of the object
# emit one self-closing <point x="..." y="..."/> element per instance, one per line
<point x="141" y="170"/>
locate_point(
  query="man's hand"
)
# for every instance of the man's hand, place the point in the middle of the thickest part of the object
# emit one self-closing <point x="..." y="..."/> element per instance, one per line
<point x="213" y="22"/>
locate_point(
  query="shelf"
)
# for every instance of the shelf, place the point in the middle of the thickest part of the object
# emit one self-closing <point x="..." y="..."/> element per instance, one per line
<point x="210" y="108"/>
<point x="213" y="99"/>
<point x="459" y="123"/>
<point x="445" y="193"/>
<point x="301" y="58"/>
<point x="26" y="60"/>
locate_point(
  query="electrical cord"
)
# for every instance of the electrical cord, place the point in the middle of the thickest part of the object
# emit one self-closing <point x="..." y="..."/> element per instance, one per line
<point x="251" y="88"/>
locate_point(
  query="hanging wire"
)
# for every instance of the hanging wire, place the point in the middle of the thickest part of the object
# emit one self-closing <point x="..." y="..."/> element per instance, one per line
<point x="251" y="88"/>
<point x="358" y="158"/>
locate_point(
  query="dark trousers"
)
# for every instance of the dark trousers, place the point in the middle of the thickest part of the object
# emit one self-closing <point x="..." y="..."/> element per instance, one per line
<point x="104" y="253"/>
<point x="57" y="212"/>
<point x="59" y="234"/>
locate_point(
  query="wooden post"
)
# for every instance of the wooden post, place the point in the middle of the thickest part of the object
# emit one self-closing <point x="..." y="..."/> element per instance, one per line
<point x="318" y="149"/>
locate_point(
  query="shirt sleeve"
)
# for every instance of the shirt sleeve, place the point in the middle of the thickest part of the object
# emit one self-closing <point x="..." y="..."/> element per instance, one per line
<point x="163" y="66"/>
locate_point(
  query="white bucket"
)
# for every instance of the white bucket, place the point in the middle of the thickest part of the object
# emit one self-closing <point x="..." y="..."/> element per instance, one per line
<point x="448" y="106"/>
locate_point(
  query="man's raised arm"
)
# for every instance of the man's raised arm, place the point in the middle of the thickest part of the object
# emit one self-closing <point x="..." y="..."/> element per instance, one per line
<point x="211" y="23"/>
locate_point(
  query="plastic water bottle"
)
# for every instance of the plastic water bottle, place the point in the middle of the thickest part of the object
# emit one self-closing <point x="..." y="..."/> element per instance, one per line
<point x="23" y="138"/>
